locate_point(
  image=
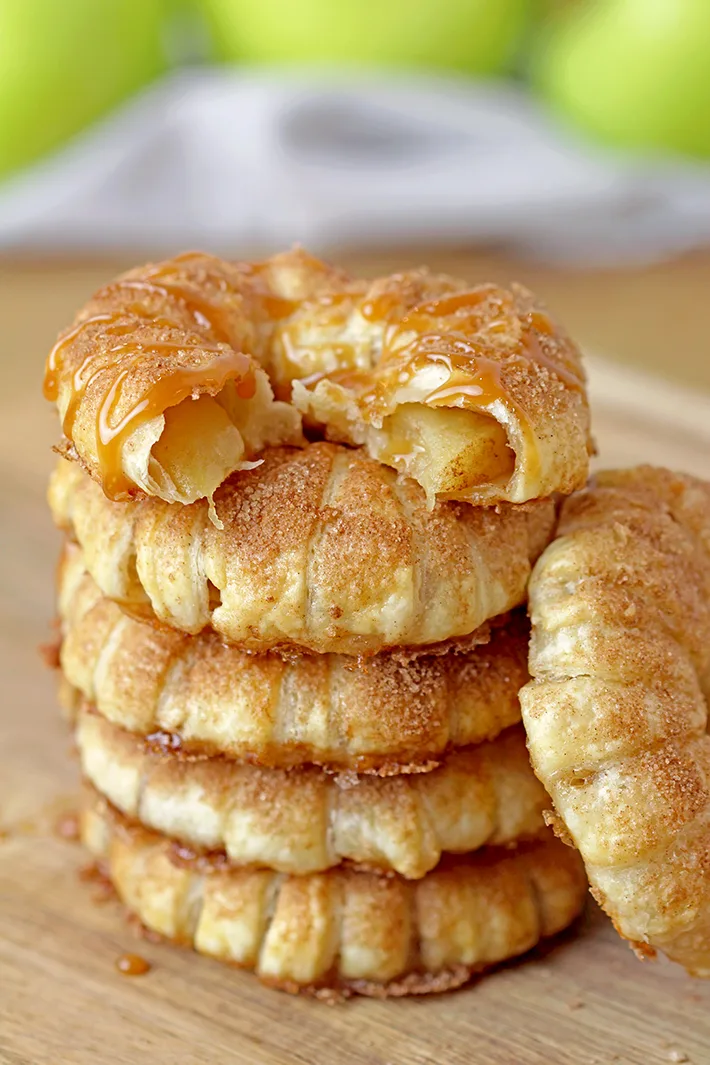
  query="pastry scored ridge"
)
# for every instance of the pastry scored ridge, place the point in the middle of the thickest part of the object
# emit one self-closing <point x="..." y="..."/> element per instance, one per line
<point x="199" y="695"/>
<point x="306" y="820"/>
<point x="616" y="714"/>
<point x="319" y="548"/>
<point x="473" y="391"/>
<point x="346" y="930"/>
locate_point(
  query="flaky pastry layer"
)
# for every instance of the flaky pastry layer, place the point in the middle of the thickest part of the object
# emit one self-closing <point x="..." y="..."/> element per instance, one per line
<point x="165" y="382"/>
<point x="198" y="695"/>
<point x="616" y="714"/>
<point x="306" y="820"/>
<point x="319" y="548"/>
<point x="346" y="930"/>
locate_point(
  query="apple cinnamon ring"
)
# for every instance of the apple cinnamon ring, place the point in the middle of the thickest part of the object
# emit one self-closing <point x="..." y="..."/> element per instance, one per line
<point x="616" y="713"/>
<point x="318" y="548"/>
<point x="305" y="820"/>
<point x="345" y="931"/>
<point x="196" y="695"/>
<point x="166" y="382"/>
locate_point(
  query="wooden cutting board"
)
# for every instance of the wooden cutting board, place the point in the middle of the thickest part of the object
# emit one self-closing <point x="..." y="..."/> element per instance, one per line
<point x="583" y="999"/>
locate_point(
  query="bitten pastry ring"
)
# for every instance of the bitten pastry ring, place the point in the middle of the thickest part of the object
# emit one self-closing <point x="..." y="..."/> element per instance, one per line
<point x="165" y="383"/>
<point x="474" y="392"/>
<point x="617" y="712"/>
<point x="158" y="382"/>
<point x="346" y="931"/>
<point x="197" y="695"/>
<point x="320" y="548"/>
<point x="305" y="820"/>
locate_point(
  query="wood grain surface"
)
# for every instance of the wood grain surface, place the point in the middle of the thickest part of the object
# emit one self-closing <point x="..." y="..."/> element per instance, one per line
<point x="584" y="999"/>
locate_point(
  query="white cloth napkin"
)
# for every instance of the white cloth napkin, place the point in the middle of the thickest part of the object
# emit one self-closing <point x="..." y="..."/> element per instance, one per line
<point x="242" y="159"/>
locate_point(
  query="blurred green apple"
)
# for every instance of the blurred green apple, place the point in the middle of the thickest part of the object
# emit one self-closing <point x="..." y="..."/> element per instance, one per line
<point x="475" y="36"/>
<point x="63" y="63"/>
<point x="635" y="72"/>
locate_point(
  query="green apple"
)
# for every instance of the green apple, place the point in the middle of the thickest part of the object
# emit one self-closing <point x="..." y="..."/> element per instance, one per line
<point x="634" y="72"/>
<point x="63" y="63"/>
<point x="476" y="36"/>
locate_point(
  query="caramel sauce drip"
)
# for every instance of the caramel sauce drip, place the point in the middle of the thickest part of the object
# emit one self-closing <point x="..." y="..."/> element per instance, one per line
<point x="132" y="965"/>
<point x="459" y="330"/>
<point x="96" y="874"/>
<point x="165" y="392"/>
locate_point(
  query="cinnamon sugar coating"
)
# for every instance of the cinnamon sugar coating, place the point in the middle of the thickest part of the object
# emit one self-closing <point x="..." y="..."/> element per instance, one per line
<point x="305" y="820"/>
<point x="196" y="695"/>
<point x="616" y="714"/>
<point x="319" y="549"/>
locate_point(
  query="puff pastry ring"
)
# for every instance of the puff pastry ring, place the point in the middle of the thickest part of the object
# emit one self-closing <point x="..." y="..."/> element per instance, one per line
<point x="319" y="548"/>
<point x="388" y="714"/>
<point x="616" y="714"/>
<point x="346" y="931"/>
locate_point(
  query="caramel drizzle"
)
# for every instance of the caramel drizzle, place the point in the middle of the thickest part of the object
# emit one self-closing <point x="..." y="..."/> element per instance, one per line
<point x="164" y="393"/>
<point x="55" y="359"/>
<point x="111" y="432"/>
<point x="473" y="374"/>
<point x="206" y="315"/>
<point x="444" y="306"/>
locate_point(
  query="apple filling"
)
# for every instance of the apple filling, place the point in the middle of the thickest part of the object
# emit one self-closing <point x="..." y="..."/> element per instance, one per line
<point x="187" y="452"/>
<point x="449" y="452"/>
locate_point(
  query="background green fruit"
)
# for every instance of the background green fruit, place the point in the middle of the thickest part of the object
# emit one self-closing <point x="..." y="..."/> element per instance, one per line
<point x="63" y="63"/>
<point x="635" y="72"/>
<point x="478" y="36"/>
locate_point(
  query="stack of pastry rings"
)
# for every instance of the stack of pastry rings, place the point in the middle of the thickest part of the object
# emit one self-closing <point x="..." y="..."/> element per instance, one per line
<point x="264" y="786"/>
<point x="296" y="710"/>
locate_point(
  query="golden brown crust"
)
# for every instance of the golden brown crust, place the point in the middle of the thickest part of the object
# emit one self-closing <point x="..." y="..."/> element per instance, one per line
<point x="305" y="820"/>
<point x="508" y="382"/>
<point x="616" y="715"/>
<point x="347" y="930"/>
<point x="319" y="548"/>
<point x="197" y="695"/>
